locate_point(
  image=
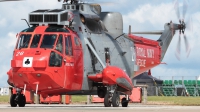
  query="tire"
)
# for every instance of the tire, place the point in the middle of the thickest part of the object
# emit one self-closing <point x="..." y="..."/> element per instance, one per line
<point x="13" y="103"/>
<point x="22" y="100"/>
<point x="116" y="99"/>
<point x="101" y="92"/>
<point x="107" y="103"/>
<point x="124" y="102"/>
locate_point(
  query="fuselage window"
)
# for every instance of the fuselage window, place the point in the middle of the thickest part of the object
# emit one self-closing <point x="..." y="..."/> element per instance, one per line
<point x="55" y="60"/>
<point x="48" y="41"/>
<point x="68" y="46"/>
<point x="24" y="41"/>
<point x="59" y="45"/>
<point x="35" y="41"/>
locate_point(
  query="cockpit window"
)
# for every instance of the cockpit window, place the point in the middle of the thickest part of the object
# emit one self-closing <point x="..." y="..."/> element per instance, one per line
<point x="24" y="41"/>
<point x="31" y="29"/>
<point x="59" y="45"/>
<point x="35" y="41"/>
<point x="56" y="29"/>
<point x="48" y="41"/>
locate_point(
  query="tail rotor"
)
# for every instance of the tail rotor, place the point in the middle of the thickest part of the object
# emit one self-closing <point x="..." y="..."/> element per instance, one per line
<point x="182" y="27"/>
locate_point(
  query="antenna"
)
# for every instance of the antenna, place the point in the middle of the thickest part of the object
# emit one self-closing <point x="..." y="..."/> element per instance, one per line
<point x="26" y="22"/>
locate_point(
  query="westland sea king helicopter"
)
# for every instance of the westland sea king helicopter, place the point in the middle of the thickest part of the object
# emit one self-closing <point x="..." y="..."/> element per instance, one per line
<point x="80" y="50"/>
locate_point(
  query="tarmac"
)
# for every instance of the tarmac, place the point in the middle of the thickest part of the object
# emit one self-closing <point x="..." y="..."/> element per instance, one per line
<point x="97" y="108"/>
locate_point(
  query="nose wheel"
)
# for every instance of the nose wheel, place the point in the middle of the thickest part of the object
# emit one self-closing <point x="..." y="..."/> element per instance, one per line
<point x="18" y="99"/>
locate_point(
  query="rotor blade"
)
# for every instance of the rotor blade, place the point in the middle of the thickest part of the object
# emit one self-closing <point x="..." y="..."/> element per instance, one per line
<point x="176" y="7"/>
<point x="149" y="32"/>
<point x="178" y="48"/>
<point x="9" y="0"/>
<point x="184" y="8"/>
<point x="187" y="46"/>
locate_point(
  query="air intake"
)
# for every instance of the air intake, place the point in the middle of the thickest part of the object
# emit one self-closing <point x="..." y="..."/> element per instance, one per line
<point x="36" y="18"/>
<point x="55" y="16"/>
<point x="51" y="18"/>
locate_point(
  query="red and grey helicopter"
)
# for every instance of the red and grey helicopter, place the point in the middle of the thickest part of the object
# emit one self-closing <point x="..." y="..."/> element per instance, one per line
<point x="80" y="50"/>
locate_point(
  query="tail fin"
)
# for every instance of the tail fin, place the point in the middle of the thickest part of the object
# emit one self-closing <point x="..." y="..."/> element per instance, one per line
<point x="166" y="37"/>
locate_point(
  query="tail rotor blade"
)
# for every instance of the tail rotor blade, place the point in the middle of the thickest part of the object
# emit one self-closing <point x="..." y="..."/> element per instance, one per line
<point x="176" y="7"/>
<point x="178" y="48"/>
<point x="184" y="8"/>
<point x="187" y="46"/>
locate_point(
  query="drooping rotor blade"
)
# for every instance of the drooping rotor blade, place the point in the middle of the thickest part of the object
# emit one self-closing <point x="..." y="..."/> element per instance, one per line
<point x="187" y="46"/>
<point x="178" y="48"/>
<point x="9" y="0"/>
<point x="149" y="33"/>
<point x="184" y="8"/>
<point x="176" y="7"/>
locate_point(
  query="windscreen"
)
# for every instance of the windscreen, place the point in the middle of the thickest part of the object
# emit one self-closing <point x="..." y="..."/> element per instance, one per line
<point x="35" y="41"/>
<point x="48" y="41"/>
<point x="24" y="41"/>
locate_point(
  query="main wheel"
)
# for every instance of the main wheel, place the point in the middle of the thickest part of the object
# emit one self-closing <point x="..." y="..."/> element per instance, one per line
<point x="21" y="100"/>
<point x="101" y="92"/>
<point x="13" y="103"/>
<point x="107" y="102"/>
<point x="124" y="102"/>
<point x="116" y="99"/>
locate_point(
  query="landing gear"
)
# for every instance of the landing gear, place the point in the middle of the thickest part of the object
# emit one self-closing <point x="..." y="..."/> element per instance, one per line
<point x="101" y="91"/>
<point x="18" y="99"/>
<point x="107" y="100"/>
<point x="21" y="100"/>
<point x="13" y="103"/>
<point x="124" y="102"/>
<point x="112" y="99"/>
<point x="115" y="99"/>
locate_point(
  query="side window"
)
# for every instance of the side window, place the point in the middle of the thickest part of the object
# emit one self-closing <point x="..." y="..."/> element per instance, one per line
<point x="76" y="42"/>
<point x="59" y="45"/>
<point x="35" y="41"/>
<point x="68" y="46"/>
<point x="55" y="60"/>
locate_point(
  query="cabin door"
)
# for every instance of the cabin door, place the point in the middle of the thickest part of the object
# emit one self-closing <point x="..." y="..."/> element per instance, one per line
<point x="69" y="63"/>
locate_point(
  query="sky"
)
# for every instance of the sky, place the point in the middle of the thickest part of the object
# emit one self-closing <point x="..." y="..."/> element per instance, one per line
<point x="142" y="15"/>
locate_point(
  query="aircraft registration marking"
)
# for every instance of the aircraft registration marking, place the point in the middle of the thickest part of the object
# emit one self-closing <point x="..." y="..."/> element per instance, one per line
<point x="20" y="53"/>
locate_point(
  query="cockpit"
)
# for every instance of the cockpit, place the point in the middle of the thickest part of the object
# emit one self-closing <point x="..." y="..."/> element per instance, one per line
<point x="29" y="39"/>
<point x="57" y="42"/>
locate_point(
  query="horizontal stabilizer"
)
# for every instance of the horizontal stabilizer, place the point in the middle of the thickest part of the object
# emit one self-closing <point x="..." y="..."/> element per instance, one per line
<point x="149" y="33"/>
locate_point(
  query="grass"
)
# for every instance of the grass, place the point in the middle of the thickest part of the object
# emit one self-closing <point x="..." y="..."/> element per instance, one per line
<point x="167" y="100"/>
<point x="156" y="100"/>
<point x="4" y="99"/>
<point x="79" y="98"/>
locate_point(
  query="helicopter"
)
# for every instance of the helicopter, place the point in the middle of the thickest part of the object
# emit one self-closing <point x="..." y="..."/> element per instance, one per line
<point x="79" y="50"/>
